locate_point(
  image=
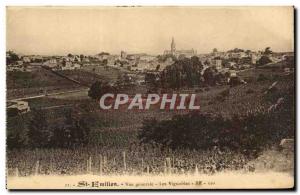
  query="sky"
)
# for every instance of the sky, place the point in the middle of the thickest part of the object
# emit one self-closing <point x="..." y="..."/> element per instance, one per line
<point x="91" y="30"/>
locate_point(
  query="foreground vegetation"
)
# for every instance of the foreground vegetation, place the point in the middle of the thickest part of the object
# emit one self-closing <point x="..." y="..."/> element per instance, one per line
<point x="234" y="125"/>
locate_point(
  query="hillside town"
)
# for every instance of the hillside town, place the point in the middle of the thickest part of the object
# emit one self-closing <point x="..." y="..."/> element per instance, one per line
<point x="136" y="68"/>
<point x="230" y="61"/>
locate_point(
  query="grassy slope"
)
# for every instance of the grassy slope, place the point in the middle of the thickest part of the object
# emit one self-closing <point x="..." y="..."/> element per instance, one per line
<point x="21" y="84"/>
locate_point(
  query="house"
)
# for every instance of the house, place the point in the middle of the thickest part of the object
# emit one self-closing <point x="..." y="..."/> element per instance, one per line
<point x="76" y="66"/>
<point x="236" y="54"/>
<point x="14" y="68"/>
<point x="245" y="66"/>
<point x="148" y="58"/>
<point x="111" y="60"/>
<point x="102" y="56"/>
<point x="77" y="59"/>
<point x="19" y="62"/>
<point x="131" y="57"/>
<point x="50" y="63"/>
<point x="139" y="67"/>
<point x="67" y="65"/>
<point x="37" y="59"/>
<point x="70" y="66"/>
<point x="123" y="55"/>
<point x="231" y="65"/>
<point x="254" y="58"/>
<point x="217" y="63"/>
<point x="26" y="59"/>
<point x="85" y="59"/>
<point x="21" y="106"/>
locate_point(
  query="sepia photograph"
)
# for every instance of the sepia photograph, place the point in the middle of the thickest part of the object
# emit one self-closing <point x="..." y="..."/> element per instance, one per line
<point x="150" y="97"/>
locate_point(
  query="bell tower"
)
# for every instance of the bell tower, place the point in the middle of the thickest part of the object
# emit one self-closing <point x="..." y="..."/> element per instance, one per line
<point x="173" y="46"/>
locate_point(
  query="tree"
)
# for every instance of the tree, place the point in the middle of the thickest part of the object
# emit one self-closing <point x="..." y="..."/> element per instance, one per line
<point x="100" y="88"/>
<point x="263" y="60"/>
<point x="157" y="67"/>
<point x="79" y="134"/>
<point x="151" y="80"/>
<point x="196" y="62"/>
<point x="11" y="112"/>
<point x="16" y="133"/>
<point x="103" y="53"/>
<point x="251" y="132"/>
<point x="268" y="51"/>
<point x="184" y="72"/>
<point x="120" y="81"/>
<point x="74" y="131"/>
<point x="38" y="132"/>
<point x="60" y="136"/>
<point x="209" y="77"/>
<point x="11" y="57"/>
<point x="234" y="81"/>
<point x="248" y="51"/>
<point x="105" y="62"/>
<point x="81" y="56"/>
<point x="163" y="58"/>
<point x="181" y="57"/>
<point x="236" y="50"/>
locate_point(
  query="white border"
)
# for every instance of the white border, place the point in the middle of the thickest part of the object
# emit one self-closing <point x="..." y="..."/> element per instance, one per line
<point x="5" y="3"/>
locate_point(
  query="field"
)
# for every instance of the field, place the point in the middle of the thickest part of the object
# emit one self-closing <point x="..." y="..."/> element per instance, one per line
<point x="20" y="84"/>
<point x="108" y="73"/>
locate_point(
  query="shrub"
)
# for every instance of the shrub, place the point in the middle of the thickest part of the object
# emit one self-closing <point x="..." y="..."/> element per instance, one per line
<point x="249" y="91"/>
<point x="11" y="112"/>
<point x="262" y="77"/>
<point x="253" y="131"/>
<point x="234" y="81"/>
<point x="199" y="90"/>
<point x="39" y="133"/>
<point x="225" y="93"/>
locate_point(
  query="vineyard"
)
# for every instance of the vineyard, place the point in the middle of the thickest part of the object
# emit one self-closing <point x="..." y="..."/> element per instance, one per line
<point x="141" y="160"/>
<point x="136" y="160"/>
<point x="114" y="146"/>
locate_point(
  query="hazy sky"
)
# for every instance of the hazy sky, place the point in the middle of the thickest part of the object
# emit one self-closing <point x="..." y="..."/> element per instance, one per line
<point x="90" y="30"/>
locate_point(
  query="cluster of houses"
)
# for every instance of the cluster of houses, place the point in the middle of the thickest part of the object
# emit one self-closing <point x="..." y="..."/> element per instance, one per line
<point x="235" y="59"/>
<point x="131" y="62"/>
<point x="33" y="62"/>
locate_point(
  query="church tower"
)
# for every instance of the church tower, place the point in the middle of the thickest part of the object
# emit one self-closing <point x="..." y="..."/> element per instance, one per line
<point x="173" y="46"/>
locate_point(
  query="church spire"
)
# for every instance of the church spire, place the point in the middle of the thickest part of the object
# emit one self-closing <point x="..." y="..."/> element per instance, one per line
<point x="173" y="46"/>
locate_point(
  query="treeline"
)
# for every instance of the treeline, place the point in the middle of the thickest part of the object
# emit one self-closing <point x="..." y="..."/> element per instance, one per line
<point x="186" y="72"/>
<point x="251" y="132"/>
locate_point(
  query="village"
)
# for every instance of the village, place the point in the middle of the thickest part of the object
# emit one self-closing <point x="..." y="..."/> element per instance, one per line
<point x="235" y="60"/>
<point x="134" y="68"/>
